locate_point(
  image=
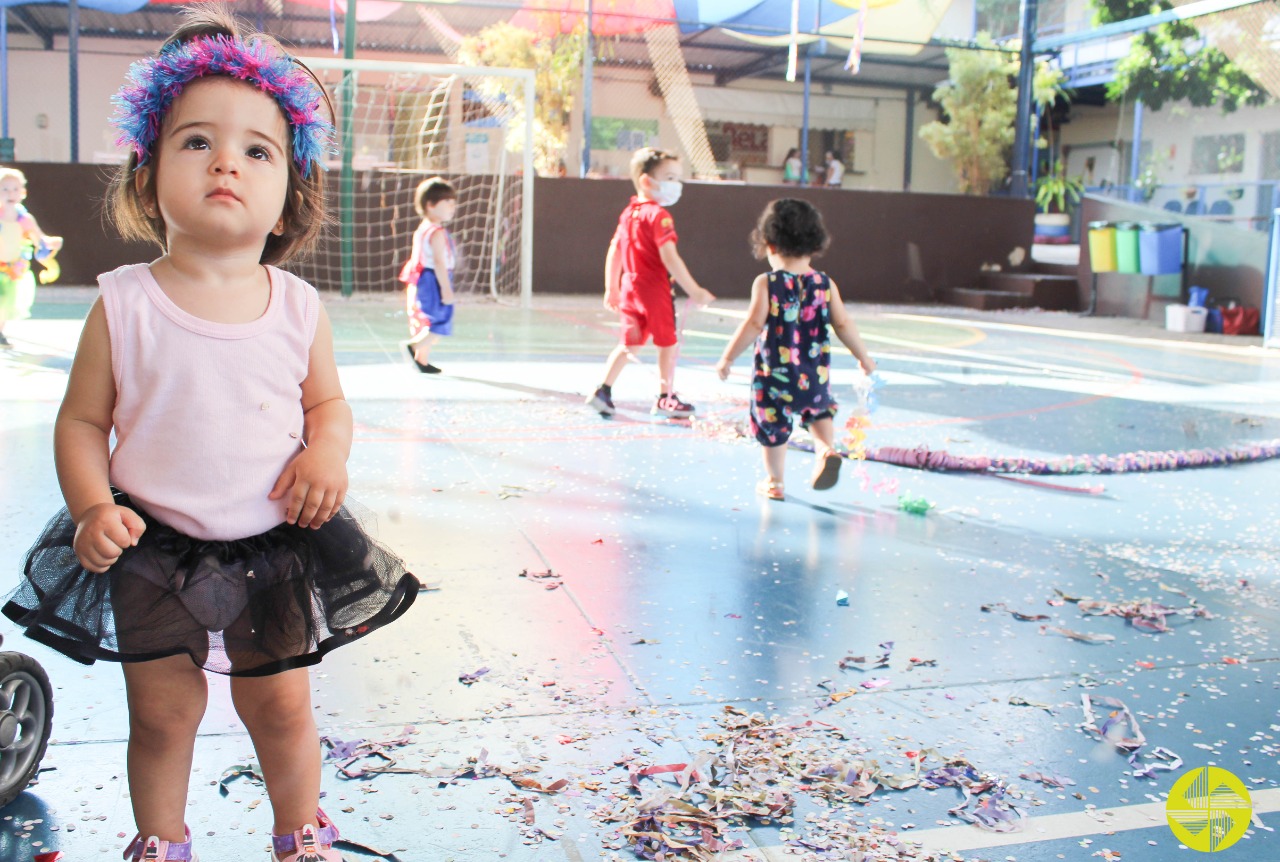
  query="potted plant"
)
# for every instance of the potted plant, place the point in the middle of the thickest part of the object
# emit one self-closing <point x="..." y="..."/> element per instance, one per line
<point x="1055" y="190"/>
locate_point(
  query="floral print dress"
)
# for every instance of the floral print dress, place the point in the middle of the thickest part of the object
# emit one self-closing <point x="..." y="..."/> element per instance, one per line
<point x="792" y="357"/>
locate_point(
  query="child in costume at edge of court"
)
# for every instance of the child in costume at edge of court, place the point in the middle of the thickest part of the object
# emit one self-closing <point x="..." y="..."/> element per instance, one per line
<point x="213" y="536"/>
<point x="20" y="240"/>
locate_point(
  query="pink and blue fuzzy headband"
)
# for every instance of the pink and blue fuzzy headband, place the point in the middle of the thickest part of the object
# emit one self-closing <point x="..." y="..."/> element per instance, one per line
<point x="154" y="82"/>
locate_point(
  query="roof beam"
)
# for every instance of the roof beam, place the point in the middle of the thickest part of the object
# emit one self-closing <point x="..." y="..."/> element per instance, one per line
<point x="1142" y="22"/>
<point x="30" y="24"/>
<point x="747" y="70"/>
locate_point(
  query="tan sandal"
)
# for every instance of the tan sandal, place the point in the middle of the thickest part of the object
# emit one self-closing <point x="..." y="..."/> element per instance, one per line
<point x="826" y="472"/>
<point x="770" y="489"/>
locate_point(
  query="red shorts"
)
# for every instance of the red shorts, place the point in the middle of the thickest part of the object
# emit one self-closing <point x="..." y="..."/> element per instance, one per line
<point x="645" y="317"/>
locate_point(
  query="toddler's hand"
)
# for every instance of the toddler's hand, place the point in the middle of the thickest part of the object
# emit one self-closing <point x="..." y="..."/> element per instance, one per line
<point x="611" y="300"/>
<point x="722" y="368"/>
<point x="868" y="365"/>
<point x="316" y="482"/>
<point x="446" y="296"/>
<point x="102" y="534"/>
<point x="54" y="242"/>
<point x="703" y="297"/>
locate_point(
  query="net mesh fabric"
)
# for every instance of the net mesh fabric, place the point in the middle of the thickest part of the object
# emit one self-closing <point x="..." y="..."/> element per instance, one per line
<point x="404" y="127"/>
<point x="249" y="607"/>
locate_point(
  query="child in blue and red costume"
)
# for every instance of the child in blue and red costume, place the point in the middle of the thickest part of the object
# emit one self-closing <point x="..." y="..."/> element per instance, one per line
<point x="791" y="308"/>
<point x="428" y="274"/>
<point x="639" y="268"/>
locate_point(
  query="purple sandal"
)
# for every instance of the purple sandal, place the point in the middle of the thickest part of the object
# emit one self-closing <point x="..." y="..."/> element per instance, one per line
<point x="155" y="850"/>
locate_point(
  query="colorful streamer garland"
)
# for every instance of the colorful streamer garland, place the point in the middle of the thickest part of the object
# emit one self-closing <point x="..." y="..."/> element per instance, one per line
<point x="924" y="458"/>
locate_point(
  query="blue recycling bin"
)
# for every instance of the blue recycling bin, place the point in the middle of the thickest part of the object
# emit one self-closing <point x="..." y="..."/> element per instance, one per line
<point x="1160" y="249"/>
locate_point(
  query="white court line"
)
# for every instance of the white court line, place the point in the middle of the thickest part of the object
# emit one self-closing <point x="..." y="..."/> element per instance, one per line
<point x="1081" y="335"/>
<point x="1052" y="827"/>
<point x="994" y="360"/>
<point x="1080" y="824"/>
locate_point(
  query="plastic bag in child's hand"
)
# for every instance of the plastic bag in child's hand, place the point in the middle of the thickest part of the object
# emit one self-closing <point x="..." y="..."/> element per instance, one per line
<point x="865" y="393"/>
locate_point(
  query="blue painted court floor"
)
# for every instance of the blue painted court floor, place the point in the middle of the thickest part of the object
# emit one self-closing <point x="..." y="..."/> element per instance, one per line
<point x="622" y="643"/>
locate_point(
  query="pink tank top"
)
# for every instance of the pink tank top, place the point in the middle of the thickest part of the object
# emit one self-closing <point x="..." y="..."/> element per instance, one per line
<point x="207" y="414"/>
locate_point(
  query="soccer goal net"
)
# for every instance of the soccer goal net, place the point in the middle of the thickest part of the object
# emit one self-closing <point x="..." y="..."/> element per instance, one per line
<point x="400" y="123"/>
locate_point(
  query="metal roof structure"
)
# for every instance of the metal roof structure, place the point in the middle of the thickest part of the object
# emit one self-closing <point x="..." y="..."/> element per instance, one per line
<point x="309" y="29"/>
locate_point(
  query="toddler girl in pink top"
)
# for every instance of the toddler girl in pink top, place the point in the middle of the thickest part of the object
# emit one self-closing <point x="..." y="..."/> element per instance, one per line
<point x="212" y="536"/>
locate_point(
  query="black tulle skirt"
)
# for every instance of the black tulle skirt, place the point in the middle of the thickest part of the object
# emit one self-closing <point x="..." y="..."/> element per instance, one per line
<point x="250" y="607"/>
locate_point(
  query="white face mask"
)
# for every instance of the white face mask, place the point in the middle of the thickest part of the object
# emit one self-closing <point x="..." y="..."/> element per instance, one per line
<point x="668" y="192"/>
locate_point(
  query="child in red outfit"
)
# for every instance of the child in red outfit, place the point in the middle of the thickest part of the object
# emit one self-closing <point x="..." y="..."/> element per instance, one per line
<point x="639" y="268"/>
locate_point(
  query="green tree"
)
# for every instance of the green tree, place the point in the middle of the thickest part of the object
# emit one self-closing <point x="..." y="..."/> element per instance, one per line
<point x="1172" y="63"/>
<point x="557" y="61"/>
<point x="979" y="101"/>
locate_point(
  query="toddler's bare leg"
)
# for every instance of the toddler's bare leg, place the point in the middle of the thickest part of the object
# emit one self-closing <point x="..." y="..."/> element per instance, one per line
<point x="618" y="359"/>
<point x="276" y="710"/>
<point x="167" y="698"/>
<point x="422" y="347"/>
<point x="823" y="431"/>
<point x="775" y="458"/>
<point x="667" y="366"/>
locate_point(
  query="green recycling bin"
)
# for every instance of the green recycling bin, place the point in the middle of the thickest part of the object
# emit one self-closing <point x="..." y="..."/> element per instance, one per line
<point x="1127" y="257"/>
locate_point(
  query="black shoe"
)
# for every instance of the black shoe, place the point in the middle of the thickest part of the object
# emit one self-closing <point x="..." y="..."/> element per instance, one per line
<point x="425" y="369"/>
<point x="4" y="342"/>
<point x="602" y="403"/>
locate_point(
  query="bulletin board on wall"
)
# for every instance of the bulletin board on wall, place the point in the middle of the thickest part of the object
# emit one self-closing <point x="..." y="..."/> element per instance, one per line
<point x="626" y="134"/>
<point x="739" y="143"/>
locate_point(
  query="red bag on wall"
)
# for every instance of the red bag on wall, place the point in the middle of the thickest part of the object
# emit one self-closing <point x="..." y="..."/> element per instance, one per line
<point x="1240" y="321"/>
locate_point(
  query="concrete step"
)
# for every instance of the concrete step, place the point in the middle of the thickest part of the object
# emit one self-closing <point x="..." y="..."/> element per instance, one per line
<point x="1067" y="269"/>
<point x="1047" y="291"/>
<point x="985" y="300"/>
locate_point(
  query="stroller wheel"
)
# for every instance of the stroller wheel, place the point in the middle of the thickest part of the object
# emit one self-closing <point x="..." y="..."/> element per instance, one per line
<point x="26" y="717"/>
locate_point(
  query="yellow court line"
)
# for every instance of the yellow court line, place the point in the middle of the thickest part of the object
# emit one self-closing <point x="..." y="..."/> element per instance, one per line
<point x="1247" y="351"/>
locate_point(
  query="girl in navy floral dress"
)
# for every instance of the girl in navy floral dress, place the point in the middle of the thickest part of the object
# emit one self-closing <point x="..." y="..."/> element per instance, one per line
<point x="791" y="310"/>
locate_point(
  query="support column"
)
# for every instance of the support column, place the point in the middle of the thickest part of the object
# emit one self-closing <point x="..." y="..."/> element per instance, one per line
<point x="588" y="72"/>
<point x="347" y="180"/>
<point x="73" y="69"/>
<point x="910" y="139"/>
<point x="1135" y="156"/>
<point x="1026" y="75"/>
<point x="4" y="73"/>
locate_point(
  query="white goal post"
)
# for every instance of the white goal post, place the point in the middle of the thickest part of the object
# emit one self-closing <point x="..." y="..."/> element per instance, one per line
<point x="401" y="122"/>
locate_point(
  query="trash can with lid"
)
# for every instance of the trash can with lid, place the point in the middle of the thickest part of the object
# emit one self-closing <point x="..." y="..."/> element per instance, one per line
<point x="1127" y="247"/>
<point x="1102" y="246"/>
<point x="1160" y="248"/>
